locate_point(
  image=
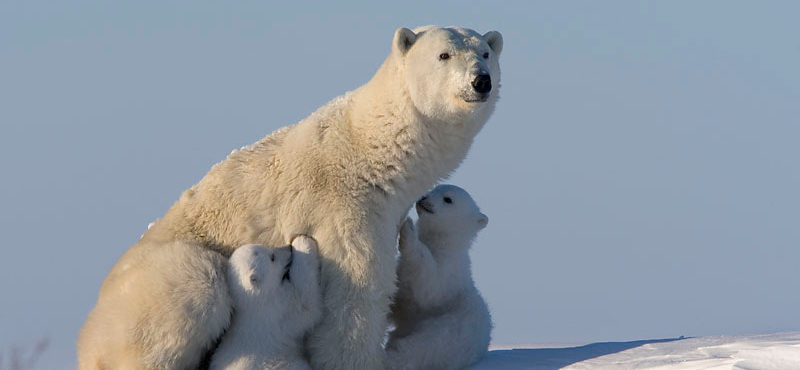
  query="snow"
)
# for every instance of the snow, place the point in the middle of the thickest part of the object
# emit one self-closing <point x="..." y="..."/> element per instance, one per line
<point x="745" y="352"/>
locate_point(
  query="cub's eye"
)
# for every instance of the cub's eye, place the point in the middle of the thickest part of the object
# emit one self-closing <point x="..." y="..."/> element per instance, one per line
<point x="448" y="200"/>
<point x="272" y="257"/>
<point x="444" y="56"/>
<point x="485" y="55"/>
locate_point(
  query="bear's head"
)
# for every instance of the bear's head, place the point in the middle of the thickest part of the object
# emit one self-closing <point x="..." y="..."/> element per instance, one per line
<point x="450" y="72"/>
<point x="448" y="211"/>
<point x="258" y="274"/>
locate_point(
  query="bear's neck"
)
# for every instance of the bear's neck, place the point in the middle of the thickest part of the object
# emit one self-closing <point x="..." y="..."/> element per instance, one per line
<point x="406" y="152"/>
<point x="447" y="244"/>
<point x="264" y="333"/>
<point x="451" y="251"/>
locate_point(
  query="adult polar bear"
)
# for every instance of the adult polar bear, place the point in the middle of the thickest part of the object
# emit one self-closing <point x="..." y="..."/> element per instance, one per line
<point x="346" y="176"/>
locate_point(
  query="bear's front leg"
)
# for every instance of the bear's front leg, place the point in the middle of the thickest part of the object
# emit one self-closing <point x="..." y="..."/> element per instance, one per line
<point x="358" y="278"/>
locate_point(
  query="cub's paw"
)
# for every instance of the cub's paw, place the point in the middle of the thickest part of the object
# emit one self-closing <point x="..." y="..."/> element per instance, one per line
<point x="408" y="235"/>
<point x="305" y="244"/>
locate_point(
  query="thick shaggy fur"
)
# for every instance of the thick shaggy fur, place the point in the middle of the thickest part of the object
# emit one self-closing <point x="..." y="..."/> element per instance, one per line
<point x="276" y="299"/>
<point x="346" y="176"/>
<point x="441" y="320"/>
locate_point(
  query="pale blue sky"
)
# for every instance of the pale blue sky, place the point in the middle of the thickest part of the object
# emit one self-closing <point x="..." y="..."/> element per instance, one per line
<point x="640" y="173"/>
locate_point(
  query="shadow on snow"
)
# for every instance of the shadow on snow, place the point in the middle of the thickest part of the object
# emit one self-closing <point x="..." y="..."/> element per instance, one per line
<point x="555" y="358"/>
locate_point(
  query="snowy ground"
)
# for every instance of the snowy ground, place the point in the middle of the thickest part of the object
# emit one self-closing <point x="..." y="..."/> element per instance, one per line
<point x="754" y="352"/>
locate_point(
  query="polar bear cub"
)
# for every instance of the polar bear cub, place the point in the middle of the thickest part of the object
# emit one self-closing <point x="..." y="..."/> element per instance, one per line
<point x="441" y="320"/>
<point x="276" y="299"/>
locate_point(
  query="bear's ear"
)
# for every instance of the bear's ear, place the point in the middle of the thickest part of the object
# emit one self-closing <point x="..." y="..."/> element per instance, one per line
<point x="495" y="41"/>
<point x="483" y="220"/>
<point x="403" y="39"/>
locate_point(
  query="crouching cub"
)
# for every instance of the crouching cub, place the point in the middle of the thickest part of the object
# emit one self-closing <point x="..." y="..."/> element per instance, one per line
<point x="441" y="320"/>
<point x="276" y="300"/>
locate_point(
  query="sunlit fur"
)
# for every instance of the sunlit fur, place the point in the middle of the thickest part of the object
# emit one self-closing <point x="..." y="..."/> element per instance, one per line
<point x="441" y="320"/>
<point x="271" y="314"/>
<point x="346" y="176"/>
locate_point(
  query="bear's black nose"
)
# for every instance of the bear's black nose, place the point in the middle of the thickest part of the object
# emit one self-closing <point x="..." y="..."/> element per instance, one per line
<point x="482" y="84"/>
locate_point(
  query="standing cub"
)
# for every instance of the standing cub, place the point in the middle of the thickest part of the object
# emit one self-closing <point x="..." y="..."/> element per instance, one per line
<point x="276" y="299"/>
<point x="441" y="320"/>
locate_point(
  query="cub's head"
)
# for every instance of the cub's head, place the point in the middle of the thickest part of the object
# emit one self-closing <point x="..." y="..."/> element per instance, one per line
<point x="450" y="72"/>
<point x="256" y="273"/>
<point x="449" y="211"/>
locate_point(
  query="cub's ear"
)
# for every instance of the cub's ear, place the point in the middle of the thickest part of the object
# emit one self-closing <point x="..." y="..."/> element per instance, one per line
<point x="483" y="220"/>
<point x="495" y="41"/>
<point x="254" y="280"/>
<point x="403" y="39"/>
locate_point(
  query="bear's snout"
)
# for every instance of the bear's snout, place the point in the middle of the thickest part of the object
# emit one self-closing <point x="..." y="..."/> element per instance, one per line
<point x="424" y="205"/>
<point x="482" y="84"/>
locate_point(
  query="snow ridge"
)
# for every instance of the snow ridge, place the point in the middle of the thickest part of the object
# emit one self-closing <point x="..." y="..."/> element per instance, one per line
<point x="779" y="351"/>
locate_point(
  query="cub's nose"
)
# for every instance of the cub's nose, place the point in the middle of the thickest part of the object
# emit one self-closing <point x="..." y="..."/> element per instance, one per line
<point x="424" y="205"/>
<point x="482" y="84"/>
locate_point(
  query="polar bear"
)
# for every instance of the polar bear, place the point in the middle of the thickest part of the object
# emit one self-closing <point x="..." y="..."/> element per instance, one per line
<point x="346" y="176"/>
<point x="441" y="321"/>
<point x="276" y="299"/>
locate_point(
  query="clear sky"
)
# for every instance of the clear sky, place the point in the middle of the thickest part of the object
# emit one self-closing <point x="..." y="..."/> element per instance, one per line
<point x="640" y="173"/>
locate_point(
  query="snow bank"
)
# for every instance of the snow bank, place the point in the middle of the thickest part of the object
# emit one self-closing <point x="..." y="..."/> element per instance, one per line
<point x="754" y="352"/>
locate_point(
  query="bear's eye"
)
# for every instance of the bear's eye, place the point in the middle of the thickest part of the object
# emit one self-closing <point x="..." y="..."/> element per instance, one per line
<point x="444" y="56"/>
<point x="448" y="200"/>
<point x="272" y="257"/>
<point x="485" y="55"/>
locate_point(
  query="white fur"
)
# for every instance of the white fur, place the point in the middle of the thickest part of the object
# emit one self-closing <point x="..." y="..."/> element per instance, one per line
<point x="271" y="313"/>
<point x="346" y="176"/>
<point x="441" y="320"/>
